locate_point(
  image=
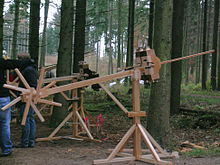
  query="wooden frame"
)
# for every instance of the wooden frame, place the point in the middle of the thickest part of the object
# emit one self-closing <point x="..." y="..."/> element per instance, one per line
<point x="148" y="66"/>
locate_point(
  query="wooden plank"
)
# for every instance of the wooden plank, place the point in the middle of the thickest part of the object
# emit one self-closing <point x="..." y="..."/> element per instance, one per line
<point x="22" y="79"/>
<point x="121" y="143"/>
<point x="61" y="124"/>
<point x="48" y="68"/>
<point x="59" y="79"/>
<point x="186" y="57"/>
<point x="13" y="94"/>
<point x="137" y="114"/>
<point x="84" y="125"/>
<point x="86" y="83"/>
<point x="114" y="98"/>
<point x="26" y="110"/>
<point x="75" y="109"/>
<point x="151" y="160"/>
<point x="23" y="90"/>
<point x="87" y="138"/>
<point x="104" y="161"/>
<point x="39" y="85"/>
<point x="148" y="143"/>
<point x="48" y="139"/>
<point x="50" y="102"/>
<point x="37" y="112"/>
<point x="154" y="141"/>
<point x="11" y="103"/>
<point x="49" y="85"/>
<point x="7" y="78"/>
<point x="136" y="109"/>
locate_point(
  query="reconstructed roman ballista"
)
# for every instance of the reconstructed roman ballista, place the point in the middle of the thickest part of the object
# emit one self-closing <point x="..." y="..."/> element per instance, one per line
<point x="147" y="68"/>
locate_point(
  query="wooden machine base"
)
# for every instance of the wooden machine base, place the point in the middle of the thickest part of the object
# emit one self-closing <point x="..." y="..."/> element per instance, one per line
<point x="152" y="145"/>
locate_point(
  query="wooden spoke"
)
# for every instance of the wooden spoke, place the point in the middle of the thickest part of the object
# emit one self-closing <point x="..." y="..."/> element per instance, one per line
<point x="26" y="110"/>
<point x="39" y="84"/>
<point x="49" y="102"/>
<point x="12" y="103"/>
<point x="48" y="86"/>
<point x="37" y="112"/>
<point x="7" y="79"/>
<point x="16" y="88"/>
<point x="22" y="79"/>
<point x="13" y="94"/>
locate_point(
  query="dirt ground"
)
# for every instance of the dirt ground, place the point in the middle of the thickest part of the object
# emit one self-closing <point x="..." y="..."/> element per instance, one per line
<point x="73" y="152"/>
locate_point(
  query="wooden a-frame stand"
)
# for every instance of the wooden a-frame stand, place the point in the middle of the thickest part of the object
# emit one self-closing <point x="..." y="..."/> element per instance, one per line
<point x="76" y="117"/>
<point x="139" y="133"/>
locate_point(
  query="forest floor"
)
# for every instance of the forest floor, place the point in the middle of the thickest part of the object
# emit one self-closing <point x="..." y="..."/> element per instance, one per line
<point x="201" y="130"/>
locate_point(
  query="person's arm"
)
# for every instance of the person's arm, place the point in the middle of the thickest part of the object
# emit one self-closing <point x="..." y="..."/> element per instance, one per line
<point x="12" y="64"/>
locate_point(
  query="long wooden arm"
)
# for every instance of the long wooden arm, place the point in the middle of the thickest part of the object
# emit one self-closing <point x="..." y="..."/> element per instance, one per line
<point x="86" y="83"/>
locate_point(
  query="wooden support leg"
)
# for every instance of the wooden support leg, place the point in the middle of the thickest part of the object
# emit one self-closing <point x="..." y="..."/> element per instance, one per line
<point x="61" y="124"/>
<point x="118" y="148"/>
<point x="84" y="125"/>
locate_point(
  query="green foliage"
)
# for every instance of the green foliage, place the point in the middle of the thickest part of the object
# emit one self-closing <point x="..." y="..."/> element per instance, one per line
<point x="23" y="6"/>
<point x="203" y="152"/>
<point x="191" y="87"/>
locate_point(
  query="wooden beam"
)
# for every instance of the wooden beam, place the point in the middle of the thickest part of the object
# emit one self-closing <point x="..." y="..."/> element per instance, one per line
<point x="50" y="102"/>
<point x="59" y="79"/>
<point x="49" y="85"/>
<point x="148" y="143"/>
<point x="84" y="125"/>
<point x="61" y="124"/>
<point x="136" y="114"/>
<point x="86" y="83"/>
<point x="149" y="159"/>
<point x="39" y="84"/>
<point x="105" y="161"/>
<point x="37" y="112"/>
<point x="22" y="79"/>
<point x="16" y="88"/>
<point x="122" y="142"/>
<point x="114" y="98"/>
<point x="12" y="103"/>
<point x="136" y="109"/>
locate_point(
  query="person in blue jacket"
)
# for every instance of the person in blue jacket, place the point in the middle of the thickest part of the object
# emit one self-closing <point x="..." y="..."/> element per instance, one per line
<point x="30" y="74"/>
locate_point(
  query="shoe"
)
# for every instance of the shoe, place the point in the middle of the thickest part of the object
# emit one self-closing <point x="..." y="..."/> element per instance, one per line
<point x="30" y="146"/>
<point x="20" y="146"/>
<point x="4" y="155"/>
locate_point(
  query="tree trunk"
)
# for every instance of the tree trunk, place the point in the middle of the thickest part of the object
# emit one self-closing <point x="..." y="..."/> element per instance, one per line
<point x="215" y="46"/>
<point x="204" y="58"/>
<point x="79" y="40"/>
<point x="34" y="30"/>
<point x="64" y="64"/>
<point x="159" y="108"/>
<point x="1" y="27"/>
<point x="119" y="34"/>
<point x="151" y="24"/>
<point x="130" y="45"/>
<point x="177" y="49"/>
<point x="198" y="59"/>
<point x="44" y="37"/>
<point x="15" y="31"/>
<point x="218" y="63"/>
<point x="110" y="37"/>
<point x="97" y="56"/>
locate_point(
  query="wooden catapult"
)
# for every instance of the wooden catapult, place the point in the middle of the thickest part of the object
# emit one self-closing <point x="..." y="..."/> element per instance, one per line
<point x="147" y="68"/>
